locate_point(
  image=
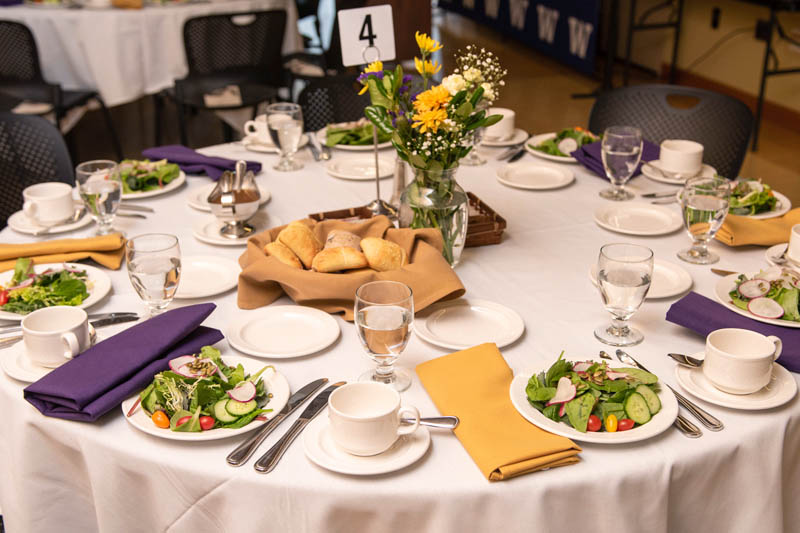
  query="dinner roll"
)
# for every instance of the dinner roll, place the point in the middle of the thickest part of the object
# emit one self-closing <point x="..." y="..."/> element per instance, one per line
<point x="341" y="258"/>
<point x="383" y="255"/>
<point x="300" y="240"/>
<point x="283" y="254"/>
<point x="338" y="237"/>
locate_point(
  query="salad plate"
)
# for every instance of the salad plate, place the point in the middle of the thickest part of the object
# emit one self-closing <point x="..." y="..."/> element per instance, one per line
<point x="757" y="200"/>
<point x="98" y="284"/>
<point x="651" y="170"/>
<point x="253" y="144"/>
<point x="171" y="186"/>
<point x="729" y="283"/>
<point x="781" y="388"/>
<point x="668" y="280"/>
<point x="519" y="137"/>
<point x="276" y="385"/>
<point x="207" y="229"/>
<point x="556" y="146"/>
<point x="465" y="322"/>
<point x="534" y="176"/>
<point x="322" y="136"/>
<point x="20" y="223"/>
<point x="206" y="275"/>
<point x="633" y="218"/>
<point x="283" y="331"/>
<point x="539" y="139"/>
<point x="199" y="199"/>
<point x="359" y="168"/>
<point x="321" y="450"/>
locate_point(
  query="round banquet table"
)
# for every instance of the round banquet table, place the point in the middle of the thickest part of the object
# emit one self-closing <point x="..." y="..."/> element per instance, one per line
<point x="68" y="476"/>
<point x="125" y="54"/>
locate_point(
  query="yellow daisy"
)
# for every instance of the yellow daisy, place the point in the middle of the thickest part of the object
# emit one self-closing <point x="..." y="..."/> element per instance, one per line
<point x="375" y="66"/>
<point x="427" y="68"/>
<point x="426" y="44"/>
<point x="434" y="98"/>
<point x="429" y="120"/>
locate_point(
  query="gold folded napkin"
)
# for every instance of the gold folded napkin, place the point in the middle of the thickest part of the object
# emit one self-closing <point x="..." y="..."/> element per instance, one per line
<point x="738" y="230"/>
<point x="473" y="384"/>
<point x="107" y="250"/>
<point x="264" y="279"/>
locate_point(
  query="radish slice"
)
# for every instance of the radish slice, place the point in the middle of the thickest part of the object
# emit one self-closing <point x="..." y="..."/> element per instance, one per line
<point x="186" y="372"/>
<point x="244" y="391"/>
<point x="563" y="409"/>
<point x="22" y="285"/>
<point x="222" y="376"/>
<point x="753" y="288"/>
<point x="178" y="362"/>
<point x="565" y="391"/>
<point x="612" y="375"/>
<point x="765" y="308"/>
<point x="771" y="274"/>
<point x="582" y="366"/>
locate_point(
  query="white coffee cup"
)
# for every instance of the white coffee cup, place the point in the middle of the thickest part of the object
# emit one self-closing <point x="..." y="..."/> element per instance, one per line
<point x="258" y="128"/>
<point x="54" y="335"/>
<point x="739" y="361"/>
<point x="504" y="129"/>
<point x="365" y="417"/>
<point x="681" y="158"/>
<point x="793" y="253"/>
<point x="48" y="203"/>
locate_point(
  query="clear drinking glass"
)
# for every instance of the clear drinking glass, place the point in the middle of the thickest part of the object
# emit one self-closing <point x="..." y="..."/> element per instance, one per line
<point x="285" y="124"/>
<point x="154" y="267"/>
<point x="100" y="187"/>
<point x="384" y="311"/>
<point x="621" y="152"/>
<point x="704" y="202"/>
<point x="624" y="272"/>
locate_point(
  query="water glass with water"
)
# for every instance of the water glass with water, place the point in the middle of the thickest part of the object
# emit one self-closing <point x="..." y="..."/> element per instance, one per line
<point x="285" y="125"/>
<point x="704" y="202"/>
<point x="154" y="268"/>
<point x="621" y="151"/>
<point x="100" y="187"/>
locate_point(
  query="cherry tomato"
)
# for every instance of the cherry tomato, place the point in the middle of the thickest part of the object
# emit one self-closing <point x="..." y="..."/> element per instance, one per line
<point x="3" y="297"/>
<point x="182" y="420"/>
<point x="625" y="424"/>
<point x="611" y="423"/>
<point x="160" y="419"/>
<point x="594" y="423"/>
<point x="206" y="422"/>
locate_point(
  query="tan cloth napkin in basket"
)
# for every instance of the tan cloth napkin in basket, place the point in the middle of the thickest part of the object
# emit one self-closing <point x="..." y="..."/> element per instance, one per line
<point x="264" y="279"/>
<point x="738" y="231"/>
<point x="106" y="250"/>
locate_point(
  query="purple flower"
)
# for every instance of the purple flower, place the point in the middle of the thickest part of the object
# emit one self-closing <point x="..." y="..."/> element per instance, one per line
<point x="364" y="75"/>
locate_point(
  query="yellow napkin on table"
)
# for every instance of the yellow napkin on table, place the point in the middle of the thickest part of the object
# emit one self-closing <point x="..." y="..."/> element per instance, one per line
<point x="473" y="384"/>
<point x="738" y="230"/>
<point x="106" y="250"/>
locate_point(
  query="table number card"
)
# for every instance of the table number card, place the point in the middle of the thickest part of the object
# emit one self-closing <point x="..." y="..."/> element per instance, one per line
<point x="367" y="34"/>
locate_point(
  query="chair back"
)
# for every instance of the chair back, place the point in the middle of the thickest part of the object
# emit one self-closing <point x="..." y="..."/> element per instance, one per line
<point x="32" y="151"/>
<point x="19" y="57"/>
<point x="722" y="124"/>
<point x="331" y="99"/>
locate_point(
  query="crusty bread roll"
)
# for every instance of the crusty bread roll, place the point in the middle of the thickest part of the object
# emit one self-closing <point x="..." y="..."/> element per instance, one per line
<point x="341" y="258"/>
<point x="300" y="240"/>
<point x="283" y="254"/>
<point x="338" y="237"/>
<point x="383" y="255"/>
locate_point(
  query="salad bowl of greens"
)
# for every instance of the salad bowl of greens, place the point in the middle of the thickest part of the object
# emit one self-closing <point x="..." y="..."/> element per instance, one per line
<point x="771" y="296"/>
<point x="558" y="146"/>
<point x="145" y="178"/>
<point x="577" y="399"/>
<point x="755" y="199"/>
<point x="355" y="136"/>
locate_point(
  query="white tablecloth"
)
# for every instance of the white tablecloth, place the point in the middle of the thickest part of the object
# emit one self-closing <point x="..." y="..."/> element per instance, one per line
<point x="125" y="54"/>
<point x="67" y="476"/>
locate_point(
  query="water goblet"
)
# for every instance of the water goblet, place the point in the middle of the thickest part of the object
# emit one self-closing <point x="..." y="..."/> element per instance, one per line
<point x="384" y="311"/>
<point x="100" y="188"/>
<point x="285" y="125"/>
<point x="624" y="272"/>
<point x="704" y="203"/>
<point x="154" y="268"/>
<point x="621" y="151"/>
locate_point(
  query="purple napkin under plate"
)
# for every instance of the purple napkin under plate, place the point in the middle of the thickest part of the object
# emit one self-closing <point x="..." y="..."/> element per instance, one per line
<point x="703" y="316"/>
<point x="589" y="155"/>
<point x="97" y="381"/>
<point x="193" y="163"/>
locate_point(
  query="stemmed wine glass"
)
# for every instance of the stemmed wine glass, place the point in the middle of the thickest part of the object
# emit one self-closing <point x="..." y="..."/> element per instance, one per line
<point x="100" y="187"/>
<point x="285" y="125"/>
<point x="624" y="272"/>
<point x="384" y="311"/>
<point x="154" y="268"/>
<point x="621" y="151"/>
<point x="704" y="202"/>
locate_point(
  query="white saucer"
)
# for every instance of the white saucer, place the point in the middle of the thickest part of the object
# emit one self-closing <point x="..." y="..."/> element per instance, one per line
<point x="206" y="275"/>
<point x="781" y="388"/>
<point x="706" y="172"/>
<point x="519" y="136"/>
<point x="534" y="176"/>
<point x="22" y="224"/>
<point x="776" y="251"/>
<point x="199" y="198"/>
<point x="16" y="364"/>
<point x="282" y="331"/>
<point x="635" y="218"/>
<point x="252" y="144"/>
<point x="359" y="168"/>
<point x="465" y="322"/>
<point x="668" y="280"/>
<point x="207" y="229"/>
<point x="323" y="451"/>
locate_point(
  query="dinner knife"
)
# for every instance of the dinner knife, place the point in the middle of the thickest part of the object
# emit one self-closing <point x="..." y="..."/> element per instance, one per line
<point x="721" y="272"/>
<point x="100" y="316"/>
<point x="8" y="341"/>
<point x="661" y="194"/>
<point x="136" y="207"/>
<point x="517" y="156"/>
<point x="312" y="145"/>
<point x="268" y="461"/>
<point x="512" y="151"/>
<point x="242" y="453"/>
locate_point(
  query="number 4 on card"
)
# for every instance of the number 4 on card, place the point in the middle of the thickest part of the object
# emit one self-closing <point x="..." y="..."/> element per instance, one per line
<point x="367" y="34"/>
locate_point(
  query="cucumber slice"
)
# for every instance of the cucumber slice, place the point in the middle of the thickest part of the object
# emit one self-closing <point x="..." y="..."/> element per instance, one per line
<point x="240" y="408"/>
<point x="653" y="402"/>
<point x="221" y="413"/>
<point x="636" y="408"/>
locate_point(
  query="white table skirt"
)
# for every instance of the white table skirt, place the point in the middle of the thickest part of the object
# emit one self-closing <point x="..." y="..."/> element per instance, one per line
<point x="125" y="54"/>
<point x="68" y="476"/>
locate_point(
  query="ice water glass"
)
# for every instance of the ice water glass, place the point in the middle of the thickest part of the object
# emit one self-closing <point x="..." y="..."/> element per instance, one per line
<point x="704" y="202"/>
<point x="624" y="272"/>
<point x="285" y="125"/>
<point x="154" y="268"/>
<point x="621" y="151"/>
<point x="384" y="311"/>
<point x="100" y="187"/>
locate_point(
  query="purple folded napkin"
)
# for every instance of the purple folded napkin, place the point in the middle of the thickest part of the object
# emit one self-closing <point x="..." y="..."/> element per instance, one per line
<point x="89" y="386"/>
<point x="193" y="163"/>
<point x="589" y="155"/>
<point x="703" y="316"/>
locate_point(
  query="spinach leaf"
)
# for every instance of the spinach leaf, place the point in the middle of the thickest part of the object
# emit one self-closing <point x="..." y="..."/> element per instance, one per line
<point x="578" y="411"/>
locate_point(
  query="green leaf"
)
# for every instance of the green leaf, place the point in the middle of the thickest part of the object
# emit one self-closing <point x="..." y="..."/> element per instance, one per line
<point x="558" y="370"/>
<point x="578" y="411"/>
<point x="380" y="118"/>
<point x="416" y="160"/>
<point x="22" y="268"/>
<point x="464" y="110"/>
<point x="377" y="94"/>
<point x="476" y="96"/>
<point x="491" y="120"/>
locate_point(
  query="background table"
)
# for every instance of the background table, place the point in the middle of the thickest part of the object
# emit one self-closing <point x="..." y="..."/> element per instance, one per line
<point x="67" y="476"/>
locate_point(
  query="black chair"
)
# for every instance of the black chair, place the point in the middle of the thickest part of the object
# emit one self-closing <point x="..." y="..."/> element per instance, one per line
<point x="21" y="79"/>
<point x="331" y="99"/>
<point x="32" y="151"/>
<point x="722" y="124"/>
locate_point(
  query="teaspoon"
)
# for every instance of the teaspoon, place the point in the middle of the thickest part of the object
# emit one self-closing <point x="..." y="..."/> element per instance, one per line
<point x="686" y="360"/>
<point x="445" y="422"/>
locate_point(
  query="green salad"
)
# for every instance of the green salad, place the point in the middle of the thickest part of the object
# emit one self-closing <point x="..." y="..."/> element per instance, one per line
<point x="566" y="141"/>
<point x="358" y="133"/>
<point x="750" y="197"/>
<point x="200" y="392"/>
<point x="772" y="293"/>
<point x="591" y="396"/>
<point x="146" y="175"/>
<point x="28" y="291"/>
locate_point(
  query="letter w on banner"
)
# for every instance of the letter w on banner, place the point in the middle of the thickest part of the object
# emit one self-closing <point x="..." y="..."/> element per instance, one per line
<point x="548" y="20"/>
<point x="579" y="34"/>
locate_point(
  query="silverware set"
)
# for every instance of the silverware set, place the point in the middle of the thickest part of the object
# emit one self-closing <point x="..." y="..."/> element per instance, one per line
<point x="513" y="153"/>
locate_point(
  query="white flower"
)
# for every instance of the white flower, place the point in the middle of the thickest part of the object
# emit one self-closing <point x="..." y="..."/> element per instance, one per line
<point x="488" y="91"/>
<point x="473" y="75"/>
<point x="454" y="83"/>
